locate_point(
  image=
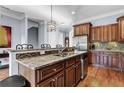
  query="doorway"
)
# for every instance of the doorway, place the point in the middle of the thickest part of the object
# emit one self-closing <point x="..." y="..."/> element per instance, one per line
<point x="33" y="36"/>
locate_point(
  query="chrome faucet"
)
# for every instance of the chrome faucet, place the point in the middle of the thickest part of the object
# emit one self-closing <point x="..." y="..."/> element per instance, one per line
<point x="60" y="51"/>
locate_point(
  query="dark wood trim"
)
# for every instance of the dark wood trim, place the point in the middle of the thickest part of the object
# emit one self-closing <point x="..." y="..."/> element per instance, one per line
<point x="82" y="24"/>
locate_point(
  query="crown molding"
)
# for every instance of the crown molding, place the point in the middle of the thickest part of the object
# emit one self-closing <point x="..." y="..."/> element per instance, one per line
<point x="10" y="13"/>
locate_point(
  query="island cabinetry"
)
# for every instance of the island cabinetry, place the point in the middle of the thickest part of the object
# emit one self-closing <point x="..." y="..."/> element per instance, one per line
<point x="48" y="71"/>
<point x="55" y="81"/>
<point x="59" y="74"/>
<point x="73" y="72"/>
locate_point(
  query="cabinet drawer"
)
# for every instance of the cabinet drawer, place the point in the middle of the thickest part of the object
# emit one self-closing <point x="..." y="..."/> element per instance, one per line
<point x="48" y="71"/>
<point x="70" y="62"/>
<point x="77" y="58"/>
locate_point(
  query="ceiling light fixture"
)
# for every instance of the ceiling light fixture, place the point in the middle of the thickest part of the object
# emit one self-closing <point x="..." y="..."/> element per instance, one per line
<point x="51" y="24"/>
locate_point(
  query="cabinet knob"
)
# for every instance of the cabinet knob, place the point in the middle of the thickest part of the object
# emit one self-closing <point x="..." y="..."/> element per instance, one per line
<point x="53" y="79"/>
<point x="54" y="69"/>
<point x="74" y="66"/>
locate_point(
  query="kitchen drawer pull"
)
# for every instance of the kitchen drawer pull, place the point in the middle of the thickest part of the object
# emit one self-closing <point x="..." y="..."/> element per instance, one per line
<point x="53" y="79"/>
<point x="54" y="69"/>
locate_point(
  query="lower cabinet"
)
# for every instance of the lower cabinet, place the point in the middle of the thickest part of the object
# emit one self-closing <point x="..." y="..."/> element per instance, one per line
<point x="114" y="60"/>
<point x="73" y="75"/>
<point x="78" y="73"/>
<point x="122" y="62"/>
<point x="55" y="81"/>
<point x="61" y="74"/>
<point x="70" y="76"/>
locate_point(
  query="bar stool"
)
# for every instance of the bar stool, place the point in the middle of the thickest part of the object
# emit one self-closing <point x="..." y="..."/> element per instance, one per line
<point x="45" y="46"/>
<point x="18" y="47"/>
<point x="14" y="81"/>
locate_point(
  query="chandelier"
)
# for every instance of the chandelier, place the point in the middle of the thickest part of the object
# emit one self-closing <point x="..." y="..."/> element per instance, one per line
<point x="51" y="23"/>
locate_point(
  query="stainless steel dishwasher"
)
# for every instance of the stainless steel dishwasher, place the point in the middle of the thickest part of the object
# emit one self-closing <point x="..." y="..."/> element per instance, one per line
<point x="84" y="65"/>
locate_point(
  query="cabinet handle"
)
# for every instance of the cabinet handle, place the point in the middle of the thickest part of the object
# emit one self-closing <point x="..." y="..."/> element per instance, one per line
<point x="53" y="79"/>
<point x="54" y="69"/>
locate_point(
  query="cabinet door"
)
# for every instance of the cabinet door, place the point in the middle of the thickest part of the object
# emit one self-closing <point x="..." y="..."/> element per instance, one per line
<point x="81" y="30"/>
<point x="94" y="58"/>
<point x="109" y="60"/>
<point x="77" y="30"/>
<point x="122" y="61"/>
<point x="78" y="72"/>
<point x="121" y="26"/>
<point x="70" y="76"/>
<point x="59" y="78"/>
<point x="105" y="35"/>
<point x="105" y="60"/>
<point x="114" y="32"/>
<point x="101" y="58"/>
<point x="115" y="60"/>
<point x="93" y="34"/>
<point x="97" y="58"/>
<point x="109" y="34"/>
<point x="47" y="83"/>
<point x="101" y="34"/>
<point x="98" y="34"/>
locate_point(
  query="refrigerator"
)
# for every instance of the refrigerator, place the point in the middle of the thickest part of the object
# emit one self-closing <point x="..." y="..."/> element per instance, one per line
<point x="81" y="43"/>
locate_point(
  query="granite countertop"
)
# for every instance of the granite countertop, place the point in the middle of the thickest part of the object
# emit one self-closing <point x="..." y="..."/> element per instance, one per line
<point x="116" y="50"/>
<point x="45" y="60"/>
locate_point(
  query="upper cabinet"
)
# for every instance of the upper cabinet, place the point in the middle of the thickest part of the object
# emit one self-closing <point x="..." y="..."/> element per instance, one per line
<point x="104" y="33"/>
<point x="82" y="29"/>
<point x="121" y="28"/>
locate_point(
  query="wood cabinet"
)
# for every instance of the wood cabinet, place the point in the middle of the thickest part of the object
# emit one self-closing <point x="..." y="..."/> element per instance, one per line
<point x="121" y="28"/>
<point x="46" y="72"/>
<point x="78" y="73"/>
<point x="82" y="29"/>
<point x="59" y="74"/>
<point x="73" y="73"/>
<point x="122" y="61"/>
<point x="112" y="60"/>
<point x="104" y="33"/>
<point x="115" y="60"/>
<point x="114" y="32"/>
<point x="70" y="76"/>
<point x="56" y="81"/>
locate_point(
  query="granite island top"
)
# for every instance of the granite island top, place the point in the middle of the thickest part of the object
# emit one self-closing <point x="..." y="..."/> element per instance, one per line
<point x="45" y="60"/>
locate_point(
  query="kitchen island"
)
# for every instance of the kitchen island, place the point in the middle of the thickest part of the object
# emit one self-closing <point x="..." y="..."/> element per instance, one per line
<point x="51" y="70"/>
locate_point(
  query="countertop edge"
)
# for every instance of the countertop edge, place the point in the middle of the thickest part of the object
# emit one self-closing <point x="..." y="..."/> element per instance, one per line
<point x="64" y="58"/>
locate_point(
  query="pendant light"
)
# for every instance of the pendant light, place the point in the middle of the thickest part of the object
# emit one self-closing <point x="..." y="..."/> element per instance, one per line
<point x="51" y="23"/>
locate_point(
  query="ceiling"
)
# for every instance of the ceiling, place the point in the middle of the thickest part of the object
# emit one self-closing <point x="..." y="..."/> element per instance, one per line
<point x="63" y="13"/>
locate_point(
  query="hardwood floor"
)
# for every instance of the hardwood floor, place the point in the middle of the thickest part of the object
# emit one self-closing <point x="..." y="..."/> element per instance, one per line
<point x="97" y="77"/>
<point x="102" y="77"/>
<point x="4" y="73"/>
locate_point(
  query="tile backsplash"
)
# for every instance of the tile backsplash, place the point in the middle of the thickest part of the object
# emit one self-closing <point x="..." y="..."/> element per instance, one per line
<point x="116" y="45"/>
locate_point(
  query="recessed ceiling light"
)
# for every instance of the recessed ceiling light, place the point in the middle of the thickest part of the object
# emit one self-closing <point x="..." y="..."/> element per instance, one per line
<point x="73" y="12"/>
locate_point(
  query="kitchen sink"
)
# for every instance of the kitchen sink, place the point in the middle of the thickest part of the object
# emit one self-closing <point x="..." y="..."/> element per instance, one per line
<point x="65" y="54"/>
